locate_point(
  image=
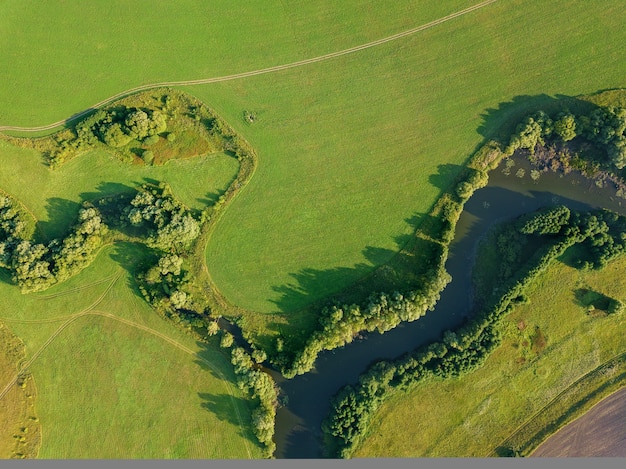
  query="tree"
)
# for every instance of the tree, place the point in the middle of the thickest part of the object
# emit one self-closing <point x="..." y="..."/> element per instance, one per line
<point x="227" y="340"/>
<point x="565" y="127"/>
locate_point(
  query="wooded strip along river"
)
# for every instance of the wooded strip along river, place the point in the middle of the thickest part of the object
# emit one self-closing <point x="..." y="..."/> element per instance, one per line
<point x="298" y="424"/>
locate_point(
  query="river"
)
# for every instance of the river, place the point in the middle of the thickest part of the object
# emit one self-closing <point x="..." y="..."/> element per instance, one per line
<point x="298" y="423"/>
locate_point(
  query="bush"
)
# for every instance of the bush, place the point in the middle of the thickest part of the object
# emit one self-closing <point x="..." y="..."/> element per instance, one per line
<point x="147" y="156"/>
<point x="151" y="140"/>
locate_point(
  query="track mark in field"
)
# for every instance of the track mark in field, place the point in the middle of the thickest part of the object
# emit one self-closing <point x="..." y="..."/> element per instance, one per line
<point x="69" y="291"/>
<point x="90" y="311"/>
<point x="262" y="71"/>
<point x="54" y="335"/>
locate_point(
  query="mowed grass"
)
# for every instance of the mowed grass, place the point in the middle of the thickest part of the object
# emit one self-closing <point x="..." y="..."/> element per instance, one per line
<point x="353" y="151"/>
<point x="118" y="381"/>
<point x="54" y="197"/>
<point x="89" y="52"/>
<point x="474" y="414"/>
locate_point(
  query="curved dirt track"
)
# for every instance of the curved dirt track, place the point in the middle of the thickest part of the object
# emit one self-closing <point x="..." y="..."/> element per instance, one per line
<point x="277" y="68"/>
<point x="91" y="311"/>
<point x="600" y="432"/>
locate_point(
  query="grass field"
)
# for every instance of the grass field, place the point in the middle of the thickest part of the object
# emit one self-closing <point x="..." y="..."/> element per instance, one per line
<point x="114" y="380"/>
<point x="353" y="150"/>
<point x="53" y="197"/>
<point x="549" y="344"/>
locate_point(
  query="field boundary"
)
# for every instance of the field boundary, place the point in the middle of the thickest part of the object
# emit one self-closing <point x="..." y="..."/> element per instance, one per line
<point x="581" y="403"/>
<point x="91" y="311"/>
<point x="262" y="71"/>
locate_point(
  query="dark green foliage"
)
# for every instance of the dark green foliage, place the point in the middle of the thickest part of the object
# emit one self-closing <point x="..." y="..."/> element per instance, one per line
<point x="547" y="221"/>
<point x="260" y="385"/>
<point x="565" y="127"/>
<point x="531" y="132"/>
<point x="604" y="126"/>
<point x="115" y="128"/>
<point x="467" y="348"/>
<point x="169" y="225"/>
<point x="340" y="325"/>
<point x="140" y="124"/>
<point x="147" y="156"/>
<point x="151" y="140"/>
<point x="35" y="267"/>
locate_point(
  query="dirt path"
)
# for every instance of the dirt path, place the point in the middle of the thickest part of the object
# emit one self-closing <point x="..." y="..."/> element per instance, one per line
<point x="600" y="432"/>
<point x="90" y="311"/>
<point x="277" y="68"/>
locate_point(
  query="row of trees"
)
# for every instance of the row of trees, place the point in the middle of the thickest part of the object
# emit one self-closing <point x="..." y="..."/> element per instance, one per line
<point x="466" y="348"/>
<point x="168" y="225"/>
<point x="340" y="324"/>
<point x="115" y="128"/>
<point x="35" y="266"/>
<point x="252" y="379"/>
<point x="604" y="127"/>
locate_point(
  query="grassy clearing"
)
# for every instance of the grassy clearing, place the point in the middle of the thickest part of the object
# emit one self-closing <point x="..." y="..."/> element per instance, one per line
<point x="549" y="344"/>
<point x="382" y="131"/>
<point x="122" y="376"/>
<point x="54" y="197"/>
<point x="107" y="47"/>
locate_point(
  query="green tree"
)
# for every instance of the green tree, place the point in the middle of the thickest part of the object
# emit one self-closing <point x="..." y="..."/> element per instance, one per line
<point x="565" y="127"/>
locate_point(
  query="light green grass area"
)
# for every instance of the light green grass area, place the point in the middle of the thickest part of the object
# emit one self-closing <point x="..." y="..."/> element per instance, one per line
<point x="53" y="197"/>
<point x="474" y="414"/>
<point x="118" y="381"/>
<point x="104" y="47"/>
<point x="353" y="150"/>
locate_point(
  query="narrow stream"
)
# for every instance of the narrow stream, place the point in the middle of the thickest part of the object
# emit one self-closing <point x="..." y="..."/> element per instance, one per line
<point x="298" y="432"/>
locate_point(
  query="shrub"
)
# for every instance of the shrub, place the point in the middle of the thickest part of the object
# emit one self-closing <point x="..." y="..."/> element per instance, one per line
<point x="147" y="156"/>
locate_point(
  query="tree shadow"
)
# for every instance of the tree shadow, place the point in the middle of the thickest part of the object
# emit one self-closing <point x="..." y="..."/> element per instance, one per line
<point x="500" y="122"/>
<point x="210" y="198"/>
<point x="62" y="215"/>
<point x="222" y="406"/>
<point x="107" y="189"/>
<point x="446" y="174"/>
<point x="133" y="258"/>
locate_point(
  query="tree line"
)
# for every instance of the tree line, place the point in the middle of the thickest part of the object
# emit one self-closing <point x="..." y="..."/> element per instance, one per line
<point x="37" y="266"/>
<point x="466" y="348"/>
<point x="338" y="325"/>
<point x="603" y="127"/>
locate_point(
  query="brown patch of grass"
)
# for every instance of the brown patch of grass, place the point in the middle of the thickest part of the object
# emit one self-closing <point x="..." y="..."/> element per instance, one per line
<point x="21" y="433"/>
<point x="538" y="341"/>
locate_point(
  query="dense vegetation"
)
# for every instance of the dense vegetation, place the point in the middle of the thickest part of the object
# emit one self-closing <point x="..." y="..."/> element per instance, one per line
<point x="525" y="250"/>
<point x="35" y="266"/>
<point x="171" y="281"/>
<point x="340" y="324"/>
<point x="463" y="350"/>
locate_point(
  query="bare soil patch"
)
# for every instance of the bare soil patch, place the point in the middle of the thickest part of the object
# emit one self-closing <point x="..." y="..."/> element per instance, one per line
<point x="601" y="432"/>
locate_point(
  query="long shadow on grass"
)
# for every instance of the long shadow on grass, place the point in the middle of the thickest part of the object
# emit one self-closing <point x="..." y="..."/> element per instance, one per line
<point x="134" y="258"/>
<point x="221" y="405"/>
<point x="62" y="214"/>
<point x="500" y="122"/>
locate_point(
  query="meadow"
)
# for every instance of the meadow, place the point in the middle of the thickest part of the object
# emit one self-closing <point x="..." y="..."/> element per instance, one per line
<point x="353" y="151"/>
<point x="548" y="345"/>
<point x="115" y="380"/>
<point x="54" y="197"/>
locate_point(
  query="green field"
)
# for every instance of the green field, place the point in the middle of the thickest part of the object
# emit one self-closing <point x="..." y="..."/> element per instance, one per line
<point x="473" y="415"/>
<point x="54" y="197"/>
<point x="352" y="153"/>
<point x="114" y="380"/>
<point x="369" y="129"/>
<point x="353" y="150"/>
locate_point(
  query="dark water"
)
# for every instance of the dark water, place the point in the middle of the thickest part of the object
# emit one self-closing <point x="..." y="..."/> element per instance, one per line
<point x="298" y="424"/>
